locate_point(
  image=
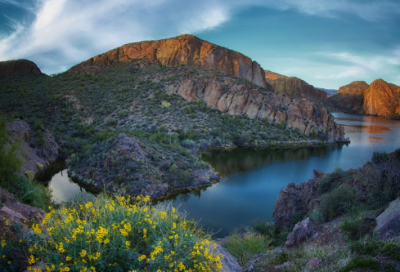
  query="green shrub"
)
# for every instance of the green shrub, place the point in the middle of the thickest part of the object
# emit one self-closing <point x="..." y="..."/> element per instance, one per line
<point x="8" y="252"/>
<point x="355" y="227"/>
<point x="188" y="143"/>
<point x="112" y="123"/>
<point x="317" y="217"/>
<point x="363" y="263"/>
<point x="397" y="153"/>
<point x="330" y="181"/>
<point x="242" y="139"/>
<point x="120" y="235"/>
<point x="297" y="217"/>
<point x="380" y="157"/>
<point x="244" y="246"/>
<point x="338" y="201"/>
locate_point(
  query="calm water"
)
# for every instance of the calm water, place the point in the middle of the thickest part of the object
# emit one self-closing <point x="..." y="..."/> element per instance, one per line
<point x="252" y="177"/>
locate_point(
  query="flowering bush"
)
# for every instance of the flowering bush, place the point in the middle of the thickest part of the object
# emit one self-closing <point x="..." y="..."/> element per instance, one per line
<point x="120" y="235"/>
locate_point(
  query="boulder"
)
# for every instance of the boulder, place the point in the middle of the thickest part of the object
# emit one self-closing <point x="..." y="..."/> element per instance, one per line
<point x="388" y="222"/>
<point x="229" y="263"/>
<point x="301" y="232"/>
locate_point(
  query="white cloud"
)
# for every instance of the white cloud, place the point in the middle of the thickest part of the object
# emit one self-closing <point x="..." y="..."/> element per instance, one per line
<point x="65" y="32"/>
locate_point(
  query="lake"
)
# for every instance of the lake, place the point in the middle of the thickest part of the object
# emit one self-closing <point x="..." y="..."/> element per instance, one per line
<point x="252" y="177"/>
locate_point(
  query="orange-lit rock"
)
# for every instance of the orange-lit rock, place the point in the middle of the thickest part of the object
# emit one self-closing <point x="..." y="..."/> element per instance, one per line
<point x="182" y="50"/>
<point x="382" y="99"/>
<point x="295" y="87"/>
<point x="269" y="75"/>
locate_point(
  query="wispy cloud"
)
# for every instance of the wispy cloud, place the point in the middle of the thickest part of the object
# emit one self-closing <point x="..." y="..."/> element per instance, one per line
<point x="65" y="32"/>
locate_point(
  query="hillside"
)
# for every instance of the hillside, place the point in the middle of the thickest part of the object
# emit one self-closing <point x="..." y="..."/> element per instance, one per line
<point x="135" y="125"/>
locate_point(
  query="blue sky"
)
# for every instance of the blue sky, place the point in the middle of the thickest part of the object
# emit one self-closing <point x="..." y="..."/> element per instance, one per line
<point x="326" y="43"/>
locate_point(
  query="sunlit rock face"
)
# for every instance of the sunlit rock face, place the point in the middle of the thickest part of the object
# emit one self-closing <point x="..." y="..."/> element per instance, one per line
<point x="182" y="50"/>
<point x="350" y="98"/>
<point x="382" y="99"/>
<point x="269" y="75"/>
<point x="295" y="87"/>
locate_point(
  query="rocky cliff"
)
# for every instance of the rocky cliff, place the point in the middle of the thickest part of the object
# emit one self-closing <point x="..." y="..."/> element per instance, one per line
<point x="182" y="50"/>
<point x="18" y="68"/>
<point x="380" y="98"/>
<point x="297" y="88"/>
<point x="238" y="98"/>
<point x="269" y="75"/>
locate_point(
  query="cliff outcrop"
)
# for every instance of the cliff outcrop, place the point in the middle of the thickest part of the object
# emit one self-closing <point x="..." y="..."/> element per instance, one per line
<point x="297" y="88"/>
<point x="182" y="50"/>
<point x="371" y="183"/>
<point x="269" y="75"/>
<point x="238" y="98"/>
<point x="380" y="98"/>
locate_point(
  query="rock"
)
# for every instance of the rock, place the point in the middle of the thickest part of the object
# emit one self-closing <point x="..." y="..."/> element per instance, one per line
<point x="388" y="222"/>
<point x="313" y="263"/>
<point x="295" y="199"/>
<point x="380" y="98"/>
<point x="297" y="88"/>
<point x="12" y="214"/>
<point x="247" y="99"/>
<point x="182" y="50"/>
<point x="282" y="267"/>
<point x="301" y="232"/>
<point x="269" y="75"/>
<point x="229" y="263"/>
<point x="35" y="155"/>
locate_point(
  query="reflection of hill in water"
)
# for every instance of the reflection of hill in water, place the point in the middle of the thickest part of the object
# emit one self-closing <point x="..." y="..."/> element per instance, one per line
<point x="238" y="160"/>
<point x="367" y="129"/>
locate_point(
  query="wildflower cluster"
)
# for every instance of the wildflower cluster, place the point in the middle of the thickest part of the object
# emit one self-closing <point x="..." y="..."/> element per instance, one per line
<point x="120" y="235"/>
<point x="6" y="255"/>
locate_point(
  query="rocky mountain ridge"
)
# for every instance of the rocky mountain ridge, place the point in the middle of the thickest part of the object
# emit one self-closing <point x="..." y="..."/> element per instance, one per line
<point x="182" y="50"/>
<point x="380" y="98"/>
<point x="18" y="69"/>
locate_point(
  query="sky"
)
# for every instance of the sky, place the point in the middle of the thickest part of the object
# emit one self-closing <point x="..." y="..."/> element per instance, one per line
<point x="326" y="43"/>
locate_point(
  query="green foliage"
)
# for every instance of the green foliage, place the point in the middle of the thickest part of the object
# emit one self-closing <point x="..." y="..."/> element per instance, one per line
<point x="380" y="157"/>
<point x="354" y="227"/>
<point x="297" y="217"/>
<point x="119" y="235"/>
<point x="9" y="250"/>
<point x="338" y="201"/>
<point x="330" y="181"/>
<point x="374" y="247"/>
<point x="317" y="217"/>
<point x="172" y="169"/>
<point x="368" y="264"/>
<point x="283" y="124"/>
<point x="244" y="246"/>
<point x="242" y="140"/>
<point x="187" y="143"/>
<point x="397" y="153"/>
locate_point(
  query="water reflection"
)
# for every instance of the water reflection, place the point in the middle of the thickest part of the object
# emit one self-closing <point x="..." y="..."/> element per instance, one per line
<point x="61" y="186"/>
<point x="253" y="177"/>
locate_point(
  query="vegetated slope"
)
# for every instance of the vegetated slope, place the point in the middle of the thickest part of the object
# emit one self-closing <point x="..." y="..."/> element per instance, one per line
<point x="269" y="75"/>
<point x="380" y="98"/>
<point x="135" y="125"/>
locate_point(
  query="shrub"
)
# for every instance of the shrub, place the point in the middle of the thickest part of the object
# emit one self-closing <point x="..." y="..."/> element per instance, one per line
<point x="338" y="201"/>
<point x="120" y="235"/>
<point x="363" y="263"/>
<point x="188" y="143"/>
<point x="244" y="246"/>
<point x="8" y="252"/>
<point x="317" y="217"/>
<point x="397" y="153"/>
<point x="330" y="181"/>
<point x="379" y="157"/>
<point x="242" y="140"/>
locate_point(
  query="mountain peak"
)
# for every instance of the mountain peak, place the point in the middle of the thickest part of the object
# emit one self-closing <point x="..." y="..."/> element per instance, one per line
<point x="185" y="49"/>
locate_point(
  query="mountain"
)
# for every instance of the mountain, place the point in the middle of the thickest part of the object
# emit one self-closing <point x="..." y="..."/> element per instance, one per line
<point x="269" y="75"/>
<point x="17" y="69"/>
<point x="380" y="98"/>
<point x="132" y="120"/>
<point x="350" y="98"/>
<point x="296" y="88"/>
<point x="182" y="50"/>
<point x="330" y="92"/>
